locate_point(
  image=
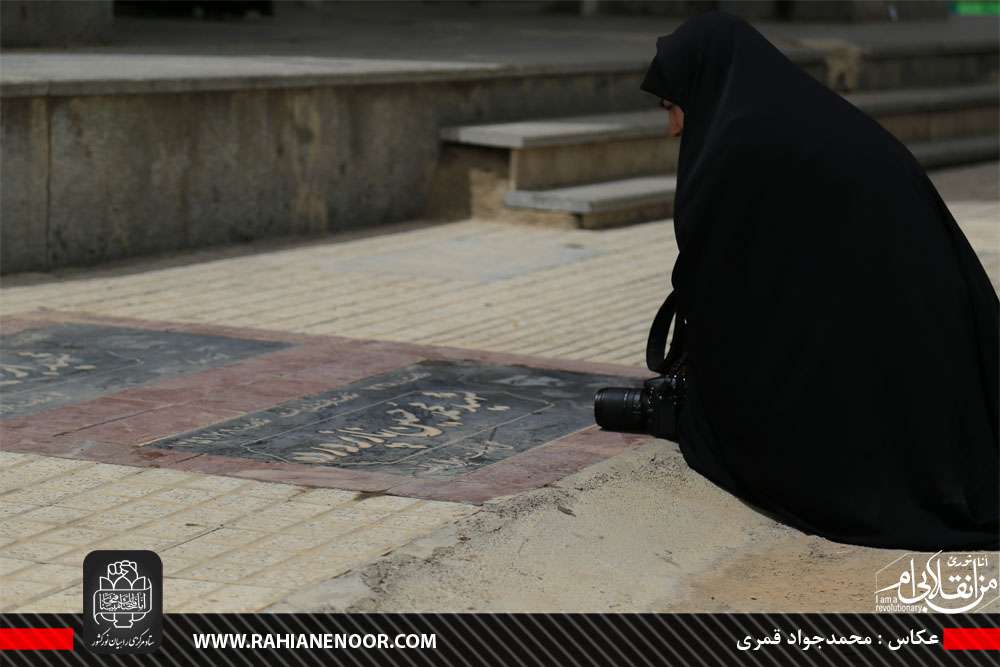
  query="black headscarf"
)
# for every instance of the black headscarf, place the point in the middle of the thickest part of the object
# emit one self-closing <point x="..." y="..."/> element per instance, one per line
<point x="841" y="335"/>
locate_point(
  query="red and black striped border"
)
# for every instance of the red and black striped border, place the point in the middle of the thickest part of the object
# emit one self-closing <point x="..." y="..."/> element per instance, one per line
<point x="524" y="640"/>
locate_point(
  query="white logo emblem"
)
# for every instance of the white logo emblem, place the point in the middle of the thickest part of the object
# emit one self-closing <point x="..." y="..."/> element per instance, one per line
<point x="944" y="583"/>
<point x="124" y="596"/>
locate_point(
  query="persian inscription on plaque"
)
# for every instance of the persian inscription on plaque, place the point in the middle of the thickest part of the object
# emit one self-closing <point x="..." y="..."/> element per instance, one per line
<point x="434" y="419"/>
<point x="67" y="363"/>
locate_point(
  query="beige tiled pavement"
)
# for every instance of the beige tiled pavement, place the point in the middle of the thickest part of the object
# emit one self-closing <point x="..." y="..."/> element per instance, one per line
<point x="226" y="544"/>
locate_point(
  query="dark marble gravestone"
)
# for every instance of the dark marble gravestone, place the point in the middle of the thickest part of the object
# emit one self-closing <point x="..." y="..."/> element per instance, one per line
<point x="67" y="363"/>
<point x="435" y="419"/>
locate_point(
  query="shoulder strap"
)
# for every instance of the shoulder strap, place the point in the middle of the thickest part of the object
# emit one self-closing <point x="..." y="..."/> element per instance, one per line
<point x="658" y="359"/>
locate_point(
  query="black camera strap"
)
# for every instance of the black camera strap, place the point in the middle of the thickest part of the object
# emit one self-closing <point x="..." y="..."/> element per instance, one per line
<point x="658" y="359"/>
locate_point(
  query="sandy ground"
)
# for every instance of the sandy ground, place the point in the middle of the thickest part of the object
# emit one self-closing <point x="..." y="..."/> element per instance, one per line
<point x="639" y="532"/>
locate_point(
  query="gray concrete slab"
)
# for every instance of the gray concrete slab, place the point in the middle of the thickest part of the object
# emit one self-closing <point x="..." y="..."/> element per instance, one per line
<point x="614" y="126"/>
<point x="597" y="197"/>
<point x="556" y="131"/>
<point x="913" y="100"/>
<point x="956" y="151"/>
<point x="390" y="42"/>
<point x="47" y="367"/>
<point x="24" y="205"/>
<point x="55" y="22"/>
<point x="634" y="193"/>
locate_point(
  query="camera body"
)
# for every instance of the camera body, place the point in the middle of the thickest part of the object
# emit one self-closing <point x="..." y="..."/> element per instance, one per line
<point x="665" y="402"/>
<point x="655" y="407"/>
<point x="651" y="409"/>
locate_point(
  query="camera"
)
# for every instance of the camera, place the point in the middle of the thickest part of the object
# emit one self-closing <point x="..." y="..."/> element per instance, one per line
<point x="650" y="409"/>
<point x="653" y="408"/>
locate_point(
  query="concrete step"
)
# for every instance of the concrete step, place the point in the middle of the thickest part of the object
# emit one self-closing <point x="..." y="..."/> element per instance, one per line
<point x="918" y="100"/>
<point x="645" y="198"/>
<point x="644" y="124"/>
<point x="555" y="152"/>
<point x="956" y="151"/>
<point x="560" y="131"/>
<point x="603" y="204"/>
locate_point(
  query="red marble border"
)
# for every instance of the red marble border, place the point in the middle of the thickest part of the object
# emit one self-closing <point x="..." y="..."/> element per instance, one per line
<point x="114" y="428"/>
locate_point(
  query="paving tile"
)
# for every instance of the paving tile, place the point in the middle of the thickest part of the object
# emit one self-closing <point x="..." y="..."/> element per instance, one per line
<point x="233" y="537"/>
<point x="112" y="521"/>
<point x="197" y="550"/>
<point x="67" y="601"/>
<point x="233" y="598"/>
<point x="172" y="565"/>
<point x="331" y="526"/>
<point x="270" y="490"/>
<point x="254" y="558"/>
<point x="17" y="528"/>
<point x="219" y="572"/>
<point x="177" y="530"/>
<point x="10" y="459"/>
<point x="74" y="557"/>
<point x="8" y="510"/>
<point x="289" y="543"/>
<point x="215" y="484"/>
<point x="360" y="548"/>
<point x="10" y="481"/>
<point x="96" y="501"/>
<point x="11" y="565"/>
<point x="280" y="516"/>
<point x="429" y="514"/>
<point x="184" y="496"/>
<point x="385" y="504"/>
<point x="149" y="508"/>
<point x="210" y="517"/>
<point x="42" y="467"/>
<point x="243" y="502"/>
<point x="50" y="573"/>
<point x="130" y="540"/>
<point x="129" y="489"/>
<point x="76" y="536"/>
<point x="331" y="497"/>
<point x="162" y="478"/>
<point x="54" y="514"/>
<point x="37" y="494"/>
<point x="105" y="473"/>
<point x="15" y="592"/>
<point x="177" y="591"/>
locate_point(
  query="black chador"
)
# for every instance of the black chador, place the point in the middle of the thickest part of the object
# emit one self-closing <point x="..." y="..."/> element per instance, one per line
<point x="840" y="332"/>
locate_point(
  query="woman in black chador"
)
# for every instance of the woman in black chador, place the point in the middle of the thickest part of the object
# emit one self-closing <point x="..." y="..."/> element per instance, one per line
<point x="840" y="336"/>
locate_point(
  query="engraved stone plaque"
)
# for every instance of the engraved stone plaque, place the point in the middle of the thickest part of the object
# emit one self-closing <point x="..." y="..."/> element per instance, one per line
<point x="67" y="363"/>
<point x="434" y="419"/>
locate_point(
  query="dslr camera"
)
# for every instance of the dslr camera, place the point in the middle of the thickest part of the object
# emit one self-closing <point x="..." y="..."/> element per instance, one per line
<point x="653" y="408"/>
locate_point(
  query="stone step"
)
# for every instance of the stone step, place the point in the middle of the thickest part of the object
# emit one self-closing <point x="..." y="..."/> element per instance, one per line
<point x="603" y="204"/>
<point x="956" y="151"/>
<point x="597" y="197"/>
<point x="644" y="198"/>
<point x="556" y="152"/>
<point x="644" y="124"/>
<point x="921" y="100"/>
<point x="560" y="131"/>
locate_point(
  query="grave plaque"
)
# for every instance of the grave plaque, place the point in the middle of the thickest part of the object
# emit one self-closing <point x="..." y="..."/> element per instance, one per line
<point x="434" y="419"/>
<point x="67" y="363"/>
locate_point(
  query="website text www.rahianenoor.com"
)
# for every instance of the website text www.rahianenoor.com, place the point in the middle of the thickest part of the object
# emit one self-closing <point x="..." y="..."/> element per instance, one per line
<point x="272" y="640"/>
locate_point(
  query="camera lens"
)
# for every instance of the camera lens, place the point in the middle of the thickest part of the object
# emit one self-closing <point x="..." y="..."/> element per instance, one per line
<point x="620" y="409"/>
